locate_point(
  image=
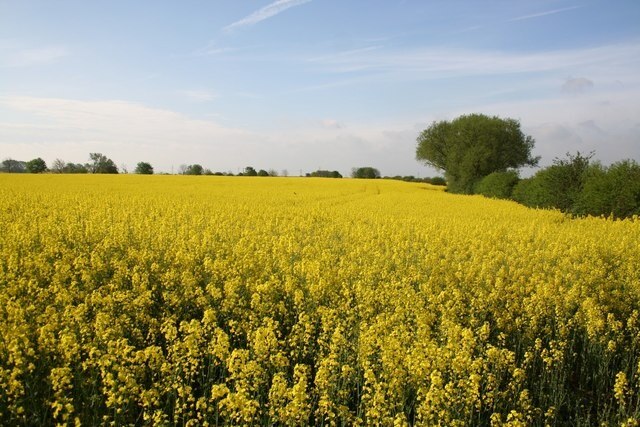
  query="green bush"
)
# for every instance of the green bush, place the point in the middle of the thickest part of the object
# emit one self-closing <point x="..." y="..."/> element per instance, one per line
<point x="365" y="173"/>
<point x="437" y="180"/>
<point x="611" y="191"/>
<point x="531" y="192"/>
<point x="557" y="186"/>
<point x="497" y="184"/>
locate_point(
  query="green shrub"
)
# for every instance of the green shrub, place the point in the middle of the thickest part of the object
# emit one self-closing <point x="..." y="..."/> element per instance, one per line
<point x="531" y="192"/>
<point x="438" y="180"/>
<point x="497" y="184"/>
<point x="611" y="191"/>
<point x="557" y="186"/>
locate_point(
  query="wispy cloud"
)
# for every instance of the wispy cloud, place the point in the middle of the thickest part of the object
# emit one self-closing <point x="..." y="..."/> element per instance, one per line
<point x="352" y="52"/>
<point x="428" y="63"/>
<point x="113" y="120"/>
<point x="546" y="13"/>
<point x="15" y="56"/>
<point x="199" y="95"/>
<point x="266" y="12"/>
<point x="212" y="48"/>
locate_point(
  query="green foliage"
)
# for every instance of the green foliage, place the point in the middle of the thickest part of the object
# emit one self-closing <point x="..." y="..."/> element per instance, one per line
<point x="101" y="164"/>
<point x="36" y="166"/>
<point x="565" y="180"/>
<point x="437" y="180"/>
<point x="194" y="170"/>
<point x="498" y="184"/>
<point x="578" y="186"/>
<point x="263" y="172"/>
<point x="531" y="193"/>
<point x="365" y="173"/>
<point x="144" y="168"/>
<point x="557" y="186"/>
<point x="473" y="146"/>
<point x="13" y="166"/>
<point x="325" y="174"/>
<point x="611" y="191"/>
<point x="249" y="171"/>
<point x="75" y="168"/>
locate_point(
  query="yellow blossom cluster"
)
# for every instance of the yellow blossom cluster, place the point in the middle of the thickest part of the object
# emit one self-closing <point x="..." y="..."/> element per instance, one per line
<point x="196" y="300"/>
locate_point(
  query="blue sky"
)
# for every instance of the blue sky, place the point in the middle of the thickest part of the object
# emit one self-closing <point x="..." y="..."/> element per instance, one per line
<point x="311" y="84"/>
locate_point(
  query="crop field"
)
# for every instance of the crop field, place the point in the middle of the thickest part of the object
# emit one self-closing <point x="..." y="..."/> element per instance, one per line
<point x="178" y="300"/>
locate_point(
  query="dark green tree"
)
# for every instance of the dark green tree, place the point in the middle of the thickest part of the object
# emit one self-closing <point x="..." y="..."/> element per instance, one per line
<point x="249" y="171"/>
<point x="13" y="166"/>
<point x="497" y="184"/>
<point x="438" y="180"/>
<point x="614" y="191"/>
<point x="472" y="146"/>
<point x="557" y="186"/>
<point x="194" y="170"/>
<point x="365" y="173"/>
<point x="101" y="164"/>
<point x="144" y="168"/>
<point x="325" y="174"/>
<point x="36" y="166"/>
<point x="75" y="168"/>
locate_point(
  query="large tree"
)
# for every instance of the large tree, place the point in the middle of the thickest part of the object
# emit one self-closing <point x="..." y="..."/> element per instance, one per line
<point x="195" y="169"/>
<point x="144" y="168"/>
<point x="473" y="146"/>
<point x="13" y="166"/>
<point x="101" y="164"/>
<point x="36" y="166"/>
<point x="365" y="173"/>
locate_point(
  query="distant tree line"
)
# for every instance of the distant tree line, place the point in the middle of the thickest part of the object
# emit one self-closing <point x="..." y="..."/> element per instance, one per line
<point x="436" y="180"/>
<point x="324" y="174"/>
<point x="99" y="163"/>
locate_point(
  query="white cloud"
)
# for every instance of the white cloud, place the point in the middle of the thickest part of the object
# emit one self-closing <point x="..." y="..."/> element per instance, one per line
<point x="604" y="122"/>
<point x="266" y="12"/>
<point x="331" y="124"/>
<point x="52" y="127"/>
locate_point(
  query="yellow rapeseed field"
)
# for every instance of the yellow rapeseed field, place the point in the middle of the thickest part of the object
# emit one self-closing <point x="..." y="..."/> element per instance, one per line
<point x="178" y="300"/>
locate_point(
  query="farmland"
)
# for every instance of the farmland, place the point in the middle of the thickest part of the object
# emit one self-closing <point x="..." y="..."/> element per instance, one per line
<point x="182" y="300"/>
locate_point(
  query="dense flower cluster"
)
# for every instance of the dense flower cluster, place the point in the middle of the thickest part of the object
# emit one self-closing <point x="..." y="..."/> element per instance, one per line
<point x="162" y="300"/>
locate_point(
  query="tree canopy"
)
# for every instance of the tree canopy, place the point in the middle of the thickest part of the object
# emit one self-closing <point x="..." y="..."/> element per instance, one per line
<point x="144" y="168"/>
<point x="365" y="173"/>
<point x="12" y="166"/>
<point x="101" y="164"/>
<point x="320" y="173"/>
<point x="36" y="166"/>
<point x="473" y="146"/>
<point x="195" y="169"/>
<point x="249" y="171"/>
